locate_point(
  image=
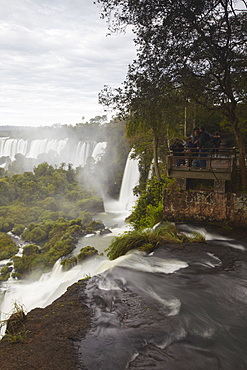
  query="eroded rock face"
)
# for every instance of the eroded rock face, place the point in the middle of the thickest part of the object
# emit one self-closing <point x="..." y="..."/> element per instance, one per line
<point x="194" y="205"/>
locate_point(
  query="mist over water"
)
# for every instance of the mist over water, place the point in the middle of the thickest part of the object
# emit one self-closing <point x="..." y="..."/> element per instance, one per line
<point x="160" y="311"/>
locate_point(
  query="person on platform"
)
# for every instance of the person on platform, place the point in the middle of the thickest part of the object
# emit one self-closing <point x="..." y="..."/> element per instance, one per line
<point x="216" y="143"/>
<point x="178" y="151"/>
<point x="203" y="146"/>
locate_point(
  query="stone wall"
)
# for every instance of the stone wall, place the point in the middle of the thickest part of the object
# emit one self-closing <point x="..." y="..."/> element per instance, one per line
<point x="193" y="205"/>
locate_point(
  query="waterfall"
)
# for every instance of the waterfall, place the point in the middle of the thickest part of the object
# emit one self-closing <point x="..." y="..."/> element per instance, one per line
<point x="61" y="150"/>
<point x="82" y="152"/>
<point x="10" y="147"/>
<point x="131" y="178"/>
<point x="99" y="151"/>
<point x="31" y="294"/>
<point x="38" y="147"/>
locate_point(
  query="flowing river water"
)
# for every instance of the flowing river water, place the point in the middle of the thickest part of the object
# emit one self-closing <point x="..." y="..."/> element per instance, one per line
<point x="161" y="311"/>
<point x="173" y="309"/>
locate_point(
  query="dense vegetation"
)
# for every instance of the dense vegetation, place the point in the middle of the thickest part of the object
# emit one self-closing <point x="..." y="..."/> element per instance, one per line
<point x="190" y="54"/>
<point x="49" y="207"/>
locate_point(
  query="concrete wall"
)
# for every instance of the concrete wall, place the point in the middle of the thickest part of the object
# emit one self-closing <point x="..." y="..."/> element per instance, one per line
<point x="193" y="205"/>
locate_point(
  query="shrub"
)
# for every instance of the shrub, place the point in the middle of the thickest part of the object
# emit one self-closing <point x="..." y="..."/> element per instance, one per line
<point x="31" y="249"/>
<point x="18" y="229"/>
<point x="94" y="204"/>
<point x="5" y="272"/>
<point x="86" y="252"/>
<point x="36" y="234"/>
<point x="148" y="240"/>
<point x="132" y="240"/>
<point x="7" y="247"/>
<point x="149" y="207"/>
<point x="6" y="224"/>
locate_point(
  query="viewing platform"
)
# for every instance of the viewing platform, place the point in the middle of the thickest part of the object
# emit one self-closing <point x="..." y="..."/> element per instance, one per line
<point x="219" y="167"/>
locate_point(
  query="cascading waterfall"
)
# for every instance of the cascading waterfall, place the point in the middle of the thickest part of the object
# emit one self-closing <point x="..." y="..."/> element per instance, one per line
<point x="61" y="150"/>
<point x="10" y="147"/>
<point x="38" y="147"/>
<point x="99" y="151"/>
<point x="130" y="179"/>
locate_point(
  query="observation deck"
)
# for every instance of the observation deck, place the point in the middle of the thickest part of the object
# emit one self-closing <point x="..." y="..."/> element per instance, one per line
<point x="219" y="167"/>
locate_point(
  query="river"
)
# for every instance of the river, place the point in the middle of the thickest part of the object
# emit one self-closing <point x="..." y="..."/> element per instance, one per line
<point x="172" y="309"/>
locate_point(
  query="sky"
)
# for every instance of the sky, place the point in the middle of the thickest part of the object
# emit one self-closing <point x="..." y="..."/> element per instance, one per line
<point x="55" y="58"/>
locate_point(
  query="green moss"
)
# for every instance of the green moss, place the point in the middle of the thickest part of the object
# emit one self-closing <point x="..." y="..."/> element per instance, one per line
<point x="86" y="252"/>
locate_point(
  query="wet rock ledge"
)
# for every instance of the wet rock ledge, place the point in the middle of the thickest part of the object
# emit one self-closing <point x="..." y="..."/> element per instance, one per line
<point x="52" y="334"/>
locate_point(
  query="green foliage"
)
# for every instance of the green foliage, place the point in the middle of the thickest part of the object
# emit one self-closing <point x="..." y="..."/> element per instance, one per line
<point x="6" y="224"/>
<point x="36" y="234"/>
<point x="132" y="240"/>
<point x="86" y="252"/>
<point x="68" y="263"/>
<point x="148" y="209"/>
<point x="93" y="204"/>
<point x="7" y="247"/>
<point x="148" y="240"/>
<point x="39" y="206"/>
<point x="18" y="229"/>
<point x="5" y="272"/>
<point x="45" y="193"/>
<point x="16" y="331"/>
<point x="31" y="249"/>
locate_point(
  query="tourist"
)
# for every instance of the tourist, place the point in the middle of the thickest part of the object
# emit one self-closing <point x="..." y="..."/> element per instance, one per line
<point x="203" y="146"/>
<point x="190" y="147"/>
<point x="216" y="143"/>
<point x="178" y="151"/>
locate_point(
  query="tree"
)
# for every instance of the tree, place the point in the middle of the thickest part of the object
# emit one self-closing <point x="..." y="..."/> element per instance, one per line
<point x="198" y="45"/>
<point x="145" y="105"/>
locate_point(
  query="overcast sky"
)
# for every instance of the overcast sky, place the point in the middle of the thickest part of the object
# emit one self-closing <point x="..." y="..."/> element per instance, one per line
<point x="55" y="59"/>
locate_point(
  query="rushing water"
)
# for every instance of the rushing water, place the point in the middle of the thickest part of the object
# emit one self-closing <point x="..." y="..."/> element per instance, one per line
<point x="168" y="312"/>
<point x="172" y="309"/>
<point x="161" y="311"/>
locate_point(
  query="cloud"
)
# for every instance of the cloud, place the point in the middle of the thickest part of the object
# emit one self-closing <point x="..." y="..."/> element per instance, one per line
<point x="55" y="58"/>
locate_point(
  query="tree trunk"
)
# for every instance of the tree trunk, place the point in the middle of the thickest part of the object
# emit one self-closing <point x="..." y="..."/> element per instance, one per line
<point x="155" y="153"/>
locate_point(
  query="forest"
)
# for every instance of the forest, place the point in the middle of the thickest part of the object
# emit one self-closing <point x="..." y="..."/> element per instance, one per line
<point x="50" y="208"/>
